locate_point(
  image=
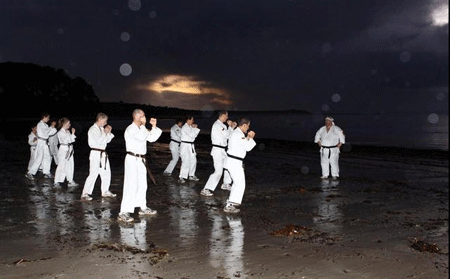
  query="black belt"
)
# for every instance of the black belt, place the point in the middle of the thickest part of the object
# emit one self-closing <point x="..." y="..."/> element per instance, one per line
<point x="329" y="152"/>
<point x="145" y="164"/>
<point x="219" y="146"/>
<point x="69" y="152"/>
<point x="191" y="143"/>
<point x="235" y="157"/>
<point x="46" y="140"/>
<point x="179" y="142"/>
<point x="101" y="152"/>
<point x="136" y="155"/>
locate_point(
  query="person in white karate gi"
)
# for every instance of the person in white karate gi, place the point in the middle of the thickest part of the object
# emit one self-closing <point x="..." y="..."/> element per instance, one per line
<point x="188" y="155"/>
<point x="65" y="167"/>
<point x="32" y="141"/>
<point x="135" y="178"/>
<point x="53" y="144"/>
<point x="174" y="146"/>
<point x="330" y="138"/>
<point x="99" y="135"/>
<point x="238" y="146"/>
<point x="42" y="152"/>
<point x="220" y="134"/>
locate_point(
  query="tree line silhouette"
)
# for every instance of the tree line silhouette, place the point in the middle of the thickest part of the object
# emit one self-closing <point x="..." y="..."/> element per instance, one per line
<point x="33" y="89"/>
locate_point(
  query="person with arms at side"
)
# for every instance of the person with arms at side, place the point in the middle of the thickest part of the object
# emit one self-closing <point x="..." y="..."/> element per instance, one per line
<point x="188" y="155"/>
<point x="65" y="167"/>
<point x="135" y="178"/>
<point x="99" y="135"/>
<point x="174" y="145"/>
<point x="219" y="138"/>
<point x="330" y="138"/>
<point x="238" y="146"/>
<point x="42" y="153"/>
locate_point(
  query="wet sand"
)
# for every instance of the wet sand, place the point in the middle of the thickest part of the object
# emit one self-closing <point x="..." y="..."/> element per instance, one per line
<point x="361" y="226"/>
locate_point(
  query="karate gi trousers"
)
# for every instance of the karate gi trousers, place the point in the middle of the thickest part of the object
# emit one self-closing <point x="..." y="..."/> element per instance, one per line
<point x="188" y="160"/>
<point x="32" y="157"/>
<point x="219" y="158"/>
<point x="65" y="167"/>
<point x="175" y="150"/>
<point x="329" y="157"/>
<point x="42" y="158"/>
<point x="236" y="169"/>
<point x="98" y="165"/>
<point x="134" y="185"/>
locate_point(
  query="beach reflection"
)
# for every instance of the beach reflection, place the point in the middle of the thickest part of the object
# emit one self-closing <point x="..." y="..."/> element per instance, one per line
<point x="133" y="234"/>
<point x="97" y="220"/>
<point x="183" y="214"/>
<point x="226" y="244"/>
<point x="329" y="217"/>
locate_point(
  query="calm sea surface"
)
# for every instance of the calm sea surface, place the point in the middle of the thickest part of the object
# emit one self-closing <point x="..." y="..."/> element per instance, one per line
<point x="418" y="131"/>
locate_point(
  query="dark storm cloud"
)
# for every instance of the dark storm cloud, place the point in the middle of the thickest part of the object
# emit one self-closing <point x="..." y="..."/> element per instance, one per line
<point x="265" y="54"/>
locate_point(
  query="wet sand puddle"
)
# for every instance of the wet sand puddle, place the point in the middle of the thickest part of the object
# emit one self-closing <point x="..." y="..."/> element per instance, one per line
<point x="285" y="208"/>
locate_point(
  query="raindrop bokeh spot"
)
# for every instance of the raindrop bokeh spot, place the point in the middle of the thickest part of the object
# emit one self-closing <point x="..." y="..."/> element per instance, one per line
<point x="125" y="69"/>
<point x="433" y="118"/>
<point x="134" y="5"/>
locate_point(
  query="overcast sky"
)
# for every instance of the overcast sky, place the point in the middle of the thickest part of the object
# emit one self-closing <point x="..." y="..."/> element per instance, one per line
<point x="316" y="55"/>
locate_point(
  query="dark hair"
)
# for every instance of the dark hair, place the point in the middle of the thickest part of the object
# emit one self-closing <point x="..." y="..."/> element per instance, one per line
<point x="222" y="112"/>
<point x="188" y="117"/>
<point x="243" y="121"/>
<point x="178" y="120"/>
<point x="45" y="114"/>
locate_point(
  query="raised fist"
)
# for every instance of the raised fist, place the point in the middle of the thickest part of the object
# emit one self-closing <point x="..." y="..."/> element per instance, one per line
<point x="153" y="122"/>
<point x="251" y="134"/>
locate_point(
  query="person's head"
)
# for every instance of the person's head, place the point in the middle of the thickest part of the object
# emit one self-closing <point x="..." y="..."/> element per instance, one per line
<point x="64" y="123"/>
<point x="34" y="129"/>
<point x="223" y="116"/>
<point x="45" y="117"/>
<point x="179" y="122"/>
<point x="102" y="119"/>
<point x="189" y="119"/>
<point x="244" y="124"/>
<point x="329" y="121"/>
<point x="139" y="116"/>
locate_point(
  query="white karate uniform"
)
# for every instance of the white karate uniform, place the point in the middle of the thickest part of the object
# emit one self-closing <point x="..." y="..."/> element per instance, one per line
<point x="42" y="158"/>
<point x="32" y="142"/>
<point x="174" y="145"/>
<point x="329" y="153"/>
<point x="53" y="147"/>
<point x="187" y="151"/>
<point x="135" y="176"/>
<point x="219" y="136"/>
<point x="65" y="167"/>
<point x="238" y="146"/>
<point x="98" y="160"/>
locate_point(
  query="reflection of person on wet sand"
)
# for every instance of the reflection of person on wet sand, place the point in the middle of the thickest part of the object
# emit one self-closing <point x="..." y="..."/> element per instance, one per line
<point x="330" y="139"/>
<point x="135" y="177"/>
<point x="238" y="147"/>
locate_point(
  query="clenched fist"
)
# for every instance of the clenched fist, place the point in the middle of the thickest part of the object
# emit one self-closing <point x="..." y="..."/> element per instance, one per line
<point x="153" y="122"/>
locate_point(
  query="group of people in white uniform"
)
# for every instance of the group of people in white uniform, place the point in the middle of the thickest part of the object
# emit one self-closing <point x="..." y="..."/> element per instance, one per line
<point x="230" y="143"/>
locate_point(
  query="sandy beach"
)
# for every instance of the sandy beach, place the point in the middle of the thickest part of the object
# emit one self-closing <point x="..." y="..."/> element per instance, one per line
<point x="363" y="225"/>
